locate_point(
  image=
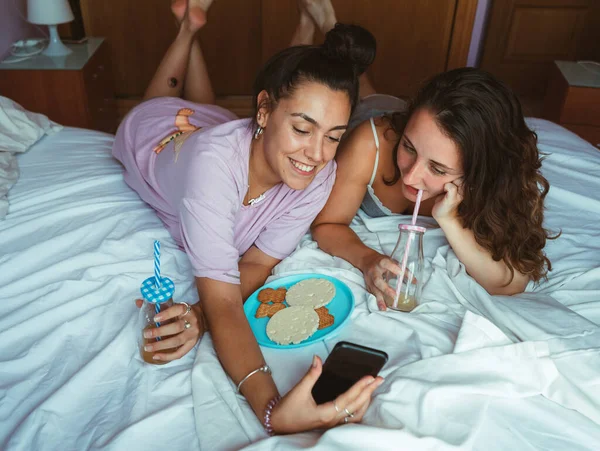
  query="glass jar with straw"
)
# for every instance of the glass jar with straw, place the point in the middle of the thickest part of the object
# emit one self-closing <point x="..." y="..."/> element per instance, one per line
<point x="157" y="293"/>
<point x="408" y="254"/>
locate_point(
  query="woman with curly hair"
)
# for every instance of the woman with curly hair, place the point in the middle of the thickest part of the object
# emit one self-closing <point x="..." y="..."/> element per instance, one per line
<point x="463" y="140"/>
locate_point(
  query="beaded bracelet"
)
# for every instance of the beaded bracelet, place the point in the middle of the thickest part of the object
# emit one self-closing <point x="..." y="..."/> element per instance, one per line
<point x="268" y="411"/>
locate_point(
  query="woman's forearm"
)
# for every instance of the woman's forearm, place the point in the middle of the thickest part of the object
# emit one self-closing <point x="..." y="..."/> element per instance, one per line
<point x="492" y="275"/>
<point x="252" y="277"/>
<point x="340" y="241"/>
<point x="235" y="343"/>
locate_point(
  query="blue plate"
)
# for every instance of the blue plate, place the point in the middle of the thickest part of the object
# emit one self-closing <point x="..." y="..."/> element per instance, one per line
<point x="340" y="307"/>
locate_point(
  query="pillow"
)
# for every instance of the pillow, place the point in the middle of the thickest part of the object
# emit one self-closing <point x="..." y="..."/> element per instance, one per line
<point x="19" y="130"/>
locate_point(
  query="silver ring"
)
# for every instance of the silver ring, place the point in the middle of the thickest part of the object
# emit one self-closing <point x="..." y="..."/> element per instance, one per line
<point x="188" y="307"/>
<point x="346" y="420"/>
<point x="350" y="414"/>
<point x="337" y="409"/>
<point x="186" y="324"/>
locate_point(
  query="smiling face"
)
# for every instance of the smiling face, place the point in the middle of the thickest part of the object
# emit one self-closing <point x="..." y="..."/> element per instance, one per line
<point x="427" y="158"/>
<point x="302" y="133"/>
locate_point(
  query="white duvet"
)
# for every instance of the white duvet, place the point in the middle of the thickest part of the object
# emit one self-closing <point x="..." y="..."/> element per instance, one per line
<point x="466" y="370"/>
<point x="74" y="249"/>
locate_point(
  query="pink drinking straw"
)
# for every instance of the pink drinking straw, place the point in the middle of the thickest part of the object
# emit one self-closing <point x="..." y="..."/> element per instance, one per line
<point x="417" y="205"/>
<point x="408" y="243"/>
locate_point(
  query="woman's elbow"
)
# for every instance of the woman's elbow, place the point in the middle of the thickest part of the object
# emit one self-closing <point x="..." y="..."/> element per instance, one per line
<point x="317" y="231"/>
<point x="516" y="286"/>
<point x="326" y="235"/>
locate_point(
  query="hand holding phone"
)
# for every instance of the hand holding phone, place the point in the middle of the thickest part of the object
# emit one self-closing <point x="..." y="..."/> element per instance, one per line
<point x="346" y="365"/>
<point x="297" y="411"/>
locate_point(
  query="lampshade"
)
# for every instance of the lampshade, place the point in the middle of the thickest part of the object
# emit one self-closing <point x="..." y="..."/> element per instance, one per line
<point x="49" y="12"/>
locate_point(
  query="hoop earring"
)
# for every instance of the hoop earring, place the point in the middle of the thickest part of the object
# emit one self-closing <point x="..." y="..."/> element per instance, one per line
<point x="259" y="131"/>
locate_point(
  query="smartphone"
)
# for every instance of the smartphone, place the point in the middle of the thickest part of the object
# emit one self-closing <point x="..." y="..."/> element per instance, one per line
<point x="347" y="363"/>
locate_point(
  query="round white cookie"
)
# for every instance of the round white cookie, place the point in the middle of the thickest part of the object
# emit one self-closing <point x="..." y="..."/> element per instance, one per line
<point x="313" y="293"/>
<point x="292" y="325"/>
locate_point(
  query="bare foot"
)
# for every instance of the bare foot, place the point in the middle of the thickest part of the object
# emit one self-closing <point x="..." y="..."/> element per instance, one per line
<point x="322" y="13"/>
<point x="178" y="8"/>
<point x="191" y="13"/>
<point x="305" y="30"/>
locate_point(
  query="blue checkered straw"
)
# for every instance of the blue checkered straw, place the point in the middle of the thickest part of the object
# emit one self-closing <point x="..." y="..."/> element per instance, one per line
<point x="157" y="263"/>
<point x="157" y="273"/>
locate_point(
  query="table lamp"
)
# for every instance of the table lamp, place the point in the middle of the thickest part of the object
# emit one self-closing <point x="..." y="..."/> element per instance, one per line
<point x="51" y="13"/>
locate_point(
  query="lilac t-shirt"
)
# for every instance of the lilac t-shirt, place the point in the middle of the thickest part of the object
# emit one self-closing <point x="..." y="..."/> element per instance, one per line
<point x="200" y="186"/>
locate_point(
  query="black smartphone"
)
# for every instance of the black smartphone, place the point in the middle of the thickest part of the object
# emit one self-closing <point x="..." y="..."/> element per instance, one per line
<point x="347" y="363"/>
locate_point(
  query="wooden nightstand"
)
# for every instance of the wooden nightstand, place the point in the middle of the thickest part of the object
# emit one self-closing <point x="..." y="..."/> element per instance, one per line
<point x="573" y="99"/>
<point x="75" y="90"/>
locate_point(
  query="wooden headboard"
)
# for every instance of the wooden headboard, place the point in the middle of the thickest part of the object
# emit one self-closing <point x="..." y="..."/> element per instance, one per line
<point x="415" y="40"/>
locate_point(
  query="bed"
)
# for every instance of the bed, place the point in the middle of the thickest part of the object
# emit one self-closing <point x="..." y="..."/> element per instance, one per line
<point x="466" y="370"/>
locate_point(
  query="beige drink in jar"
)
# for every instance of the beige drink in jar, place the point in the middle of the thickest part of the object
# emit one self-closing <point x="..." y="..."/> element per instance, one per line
<point x="146" y="355"/>
<point x="408" y="255"/>
<point x="405" y="303"/>
<point x="156" y="299"/>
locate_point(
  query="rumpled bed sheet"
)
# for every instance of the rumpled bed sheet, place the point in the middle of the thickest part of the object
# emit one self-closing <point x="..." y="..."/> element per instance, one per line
<point x="467" y="371"/>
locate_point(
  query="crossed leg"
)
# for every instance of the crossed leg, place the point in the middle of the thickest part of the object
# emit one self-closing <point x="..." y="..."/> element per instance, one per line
<point x="182" y="71"/>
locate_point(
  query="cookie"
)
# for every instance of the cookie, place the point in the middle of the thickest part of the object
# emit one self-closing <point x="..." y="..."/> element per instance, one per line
<point x="269" y="310"/>
<point x="312" y="293"/>
<point x="270" y="295"/>
<point x="326" y="319"/>
<point x="292" y="325"/>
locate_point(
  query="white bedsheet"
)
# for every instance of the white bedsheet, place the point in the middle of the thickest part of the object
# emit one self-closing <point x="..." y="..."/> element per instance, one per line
<point x="466" y="371"/>
<point x="74" y="249"/>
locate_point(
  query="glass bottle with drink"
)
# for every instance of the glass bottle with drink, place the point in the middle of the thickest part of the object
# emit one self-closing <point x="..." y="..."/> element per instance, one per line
<point x="157" y="297"/>
<point x="408" y="254"/>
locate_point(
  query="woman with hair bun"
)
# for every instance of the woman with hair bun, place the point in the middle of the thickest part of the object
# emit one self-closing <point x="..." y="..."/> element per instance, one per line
<point x="464" y="142"/>
<point x="237" y="195"/>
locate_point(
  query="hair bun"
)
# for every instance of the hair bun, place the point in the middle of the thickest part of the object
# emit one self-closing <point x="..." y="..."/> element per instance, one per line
<point x="352" y="44"/>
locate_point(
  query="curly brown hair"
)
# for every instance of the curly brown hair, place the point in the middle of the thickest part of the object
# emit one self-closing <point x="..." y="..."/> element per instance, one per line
<point x="504" y="190"/>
